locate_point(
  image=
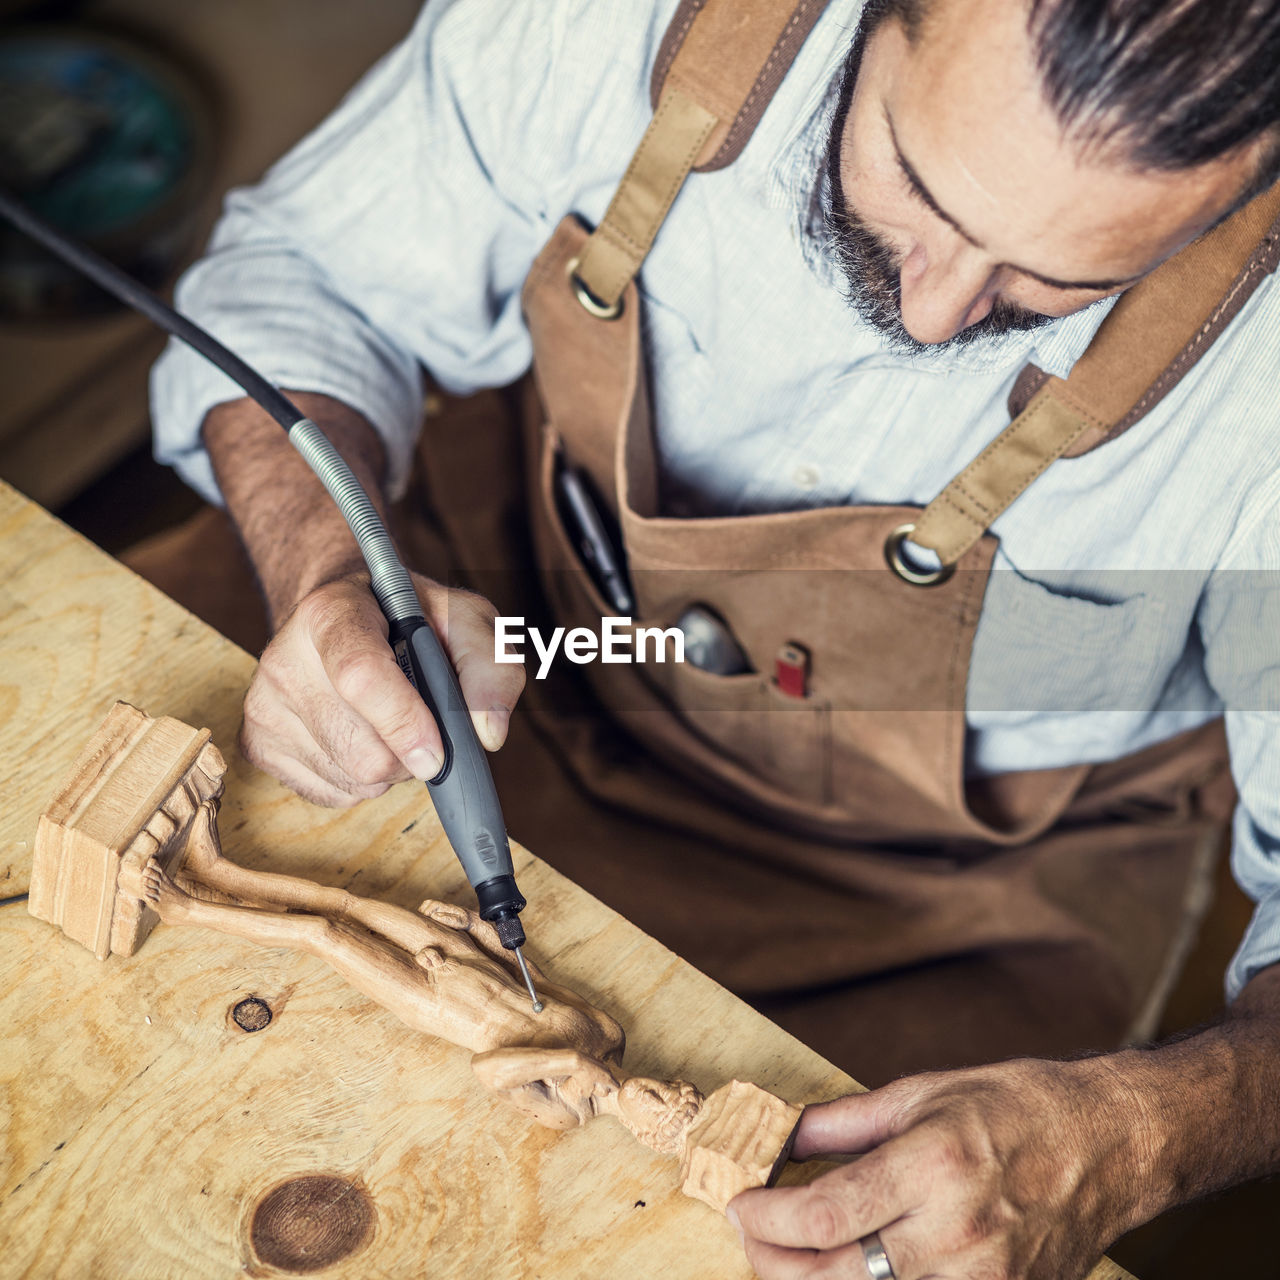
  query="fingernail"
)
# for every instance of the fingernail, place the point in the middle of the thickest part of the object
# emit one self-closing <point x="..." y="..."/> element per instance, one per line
<point x="496" y="721"/>
<point x="732" y="1214"/>
<point x="423" y="764"/>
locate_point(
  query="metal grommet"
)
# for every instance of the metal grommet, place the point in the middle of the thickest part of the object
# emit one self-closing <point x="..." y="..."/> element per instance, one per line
<point x="902" y="567"/>
<point x="590" y="303"/>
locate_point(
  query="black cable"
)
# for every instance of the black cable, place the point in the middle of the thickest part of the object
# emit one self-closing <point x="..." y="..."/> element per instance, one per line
<point x="140" y="298"/>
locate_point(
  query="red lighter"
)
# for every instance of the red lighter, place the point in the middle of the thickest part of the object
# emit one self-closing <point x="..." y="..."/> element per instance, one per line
<point x="791" y="670"/>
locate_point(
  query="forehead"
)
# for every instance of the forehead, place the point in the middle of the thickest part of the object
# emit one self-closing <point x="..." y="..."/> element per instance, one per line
<point x="965" y="101"/>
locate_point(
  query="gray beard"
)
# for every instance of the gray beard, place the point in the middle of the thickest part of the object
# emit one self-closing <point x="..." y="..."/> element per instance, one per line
<point x="867" y="262"/>
<point x="873" y="289"/>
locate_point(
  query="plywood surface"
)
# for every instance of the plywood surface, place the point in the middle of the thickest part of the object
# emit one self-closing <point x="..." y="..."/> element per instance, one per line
<point x="144" y="1128"/>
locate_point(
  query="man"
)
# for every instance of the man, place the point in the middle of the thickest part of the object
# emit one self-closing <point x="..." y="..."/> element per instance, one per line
<point x="969" y="171"/>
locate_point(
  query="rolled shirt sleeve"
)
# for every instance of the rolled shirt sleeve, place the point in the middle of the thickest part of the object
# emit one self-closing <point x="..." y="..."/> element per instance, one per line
<point x="395" y="237"/>
<point x="1255" y="862"/>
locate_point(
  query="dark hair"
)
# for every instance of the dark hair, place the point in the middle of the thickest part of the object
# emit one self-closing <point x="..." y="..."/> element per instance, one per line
<point x="1173" y="83"/>
<point x="1176" y="82"/>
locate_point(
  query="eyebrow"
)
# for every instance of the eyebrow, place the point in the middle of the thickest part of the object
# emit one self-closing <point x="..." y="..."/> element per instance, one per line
<point x="917" y="185"/>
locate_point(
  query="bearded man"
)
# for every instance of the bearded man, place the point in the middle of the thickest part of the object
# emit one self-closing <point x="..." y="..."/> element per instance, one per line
<point x="949" y="799"/>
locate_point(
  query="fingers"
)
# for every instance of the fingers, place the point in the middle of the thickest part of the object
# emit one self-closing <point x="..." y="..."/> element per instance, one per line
<point x="849" y="1262"/>
<point x="330" y="713"/>
<point x="818" y="1230"/>
<point x="770" y="1262"/>
<point x="832" y="1211"/>
<point x="847" y="1126"/>
<point x="278" y="741"/>
<point x="464" y="623"/>
<point x="376" y="710"/>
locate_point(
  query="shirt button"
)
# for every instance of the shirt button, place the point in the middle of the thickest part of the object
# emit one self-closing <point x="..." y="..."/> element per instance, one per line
<point x="806" y="476"/>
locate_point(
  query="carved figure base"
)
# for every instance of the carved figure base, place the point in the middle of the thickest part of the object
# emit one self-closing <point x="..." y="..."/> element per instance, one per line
<point x="132" y="795"/>
<point x="741" y="1139"/>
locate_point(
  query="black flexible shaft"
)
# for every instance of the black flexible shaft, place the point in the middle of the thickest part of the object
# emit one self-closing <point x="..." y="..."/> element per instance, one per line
<point x="391" y="581"/>
<point x="140" y="298"/>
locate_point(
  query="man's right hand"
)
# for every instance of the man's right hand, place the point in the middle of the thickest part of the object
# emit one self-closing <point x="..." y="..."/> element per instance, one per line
<point x="330" y="713"/>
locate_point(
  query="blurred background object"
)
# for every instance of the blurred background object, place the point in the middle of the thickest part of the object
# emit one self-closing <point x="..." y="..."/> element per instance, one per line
<point x="111" y="144"/>
<point x="126" y="121"/>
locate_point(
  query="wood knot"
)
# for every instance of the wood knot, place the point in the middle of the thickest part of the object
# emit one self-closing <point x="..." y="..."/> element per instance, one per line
<point x="309" y="1223"/>
<point x="251" y="1014"/>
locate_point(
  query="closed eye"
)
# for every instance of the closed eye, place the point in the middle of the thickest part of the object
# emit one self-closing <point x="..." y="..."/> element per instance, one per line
<point x="917" y="188"/>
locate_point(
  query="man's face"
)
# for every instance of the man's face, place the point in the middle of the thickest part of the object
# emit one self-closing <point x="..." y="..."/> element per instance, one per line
<point x="959" y="208"/>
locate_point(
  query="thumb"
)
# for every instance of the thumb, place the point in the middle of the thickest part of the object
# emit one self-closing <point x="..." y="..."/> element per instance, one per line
<point x="846" y="1126"/>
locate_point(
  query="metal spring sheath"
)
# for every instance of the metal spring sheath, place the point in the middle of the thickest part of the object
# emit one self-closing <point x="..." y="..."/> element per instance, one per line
<point x="391" y="582"/>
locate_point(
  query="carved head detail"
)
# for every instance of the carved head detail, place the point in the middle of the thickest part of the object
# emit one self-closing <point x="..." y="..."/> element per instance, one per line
<point x="658" y="1112"/>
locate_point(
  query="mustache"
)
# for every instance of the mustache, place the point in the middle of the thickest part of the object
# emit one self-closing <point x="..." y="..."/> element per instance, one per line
<point x="873" y="281"/>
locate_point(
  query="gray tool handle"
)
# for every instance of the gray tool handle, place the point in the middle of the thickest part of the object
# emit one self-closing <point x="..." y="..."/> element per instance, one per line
<point x="463" y="790"/>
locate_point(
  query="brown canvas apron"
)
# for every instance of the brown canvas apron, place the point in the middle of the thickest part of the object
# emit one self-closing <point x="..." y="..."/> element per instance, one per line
<point x="824" y="856"/>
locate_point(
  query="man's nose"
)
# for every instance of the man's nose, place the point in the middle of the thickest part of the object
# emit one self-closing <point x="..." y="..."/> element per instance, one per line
<point x="944" y="290"/>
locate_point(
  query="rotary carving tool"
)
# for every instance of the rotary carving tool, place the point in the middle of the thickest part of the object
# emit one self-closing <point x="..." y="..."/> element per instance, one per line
<point x="463" y="790"/>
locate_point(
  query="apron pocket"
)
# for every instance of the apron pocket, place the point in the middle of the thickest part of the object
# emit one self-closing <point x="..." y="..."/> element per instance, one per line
<point x="776" y="748"/>
<point x="574" y="597"/>
<point x="1067" y="677"/>
<point x="783" y="742"/>
<point x="745" y="731"/>
<point x="1040" y="651"/>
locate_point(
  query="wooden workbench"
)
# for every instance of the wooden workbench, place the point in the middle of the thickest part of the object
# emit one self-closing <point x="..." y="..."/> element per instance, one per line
<point x="144" y="1127"/>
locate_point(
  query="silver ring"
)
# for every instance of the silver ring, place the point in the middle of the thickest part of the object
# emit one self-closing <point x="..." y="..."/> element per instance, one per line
<point x="878" y="1266"/>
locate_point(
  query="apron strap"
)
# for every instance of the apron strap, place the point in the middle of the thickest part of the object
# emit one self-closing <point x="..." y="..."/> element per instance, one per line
<point x="1156" y="332"/>
<point x="718" y="67"/>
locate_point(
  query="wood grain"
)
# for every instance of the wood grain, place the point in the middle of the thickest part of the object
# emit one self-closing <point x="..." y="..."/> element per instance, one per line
<point x="143" y="1127"/>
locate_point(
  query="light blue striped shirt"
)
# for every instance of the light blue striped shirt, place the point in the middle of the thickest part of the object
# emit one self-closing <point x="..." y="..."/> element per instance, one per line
<point x="1136" y="591"/>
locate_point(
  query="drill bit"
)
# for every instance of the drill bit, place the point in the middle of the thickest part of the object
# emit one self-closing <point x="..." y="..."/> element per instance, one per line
<point x="528" y="980"/>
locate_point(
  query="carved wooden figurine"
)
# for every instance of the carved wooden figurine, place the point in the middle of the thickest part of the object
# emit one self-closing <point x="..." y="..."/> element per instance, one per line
<point x="132" y="837"/>
<point x="739" y="1137"/>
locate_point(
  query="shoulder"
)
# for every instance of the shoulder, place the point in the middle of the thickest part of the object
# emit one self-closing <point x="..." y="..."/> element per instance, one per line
<point x="1244" y="361"/>
<point x="550" y="90"/>
<point x="578" y="44"/>
<point x="1239" y="381"/>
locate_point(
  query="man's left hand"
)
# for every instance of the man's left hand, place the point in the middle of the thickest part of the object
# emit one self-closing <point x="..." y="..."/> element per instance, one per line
<point x="1022" y="1171"/>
